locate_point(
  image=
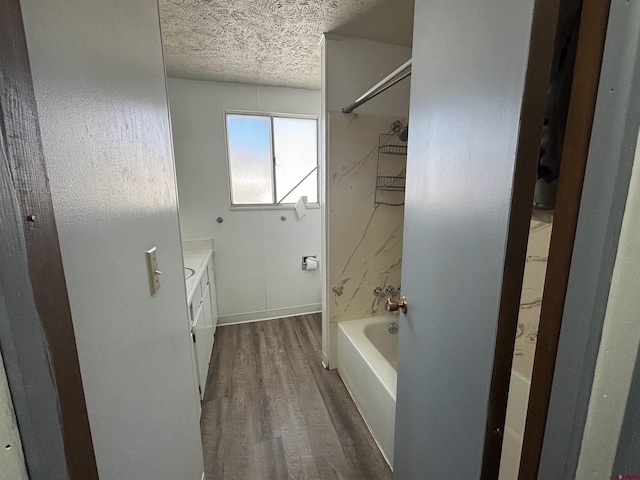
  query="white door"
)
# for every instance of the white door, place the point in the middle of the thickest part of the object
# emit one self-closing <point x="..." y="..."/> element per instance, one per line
<point x="469" y="65"/>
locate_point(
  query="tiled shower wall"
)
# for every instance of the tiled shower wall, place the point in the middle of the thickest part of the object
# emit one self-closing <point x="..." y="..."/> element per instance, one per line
<point x="365" y="241"/>
<point x="531" y="299"/>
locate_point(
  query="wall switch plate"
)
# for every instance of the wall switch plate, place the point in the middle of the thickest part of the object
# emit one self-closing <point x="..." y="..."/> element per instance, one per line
<point x="152" y="269"/>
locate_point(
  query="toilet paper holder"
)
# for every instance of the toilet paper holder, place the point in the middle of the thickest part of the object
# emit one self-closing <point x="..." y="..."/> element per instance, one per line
<point x="313" y="265"/>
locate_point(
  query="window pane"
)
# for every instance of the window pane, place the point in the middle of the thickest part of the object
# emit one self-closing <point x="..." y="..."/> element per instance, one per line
<point x="296" y="152"/>
<point x="309" y="187"/>
<point x="250" y="167"/>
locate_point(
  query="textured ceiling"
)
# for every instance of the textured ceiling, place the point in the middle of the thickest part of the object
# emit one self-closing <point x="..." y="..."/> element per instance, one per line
<point x="270" y="42"/>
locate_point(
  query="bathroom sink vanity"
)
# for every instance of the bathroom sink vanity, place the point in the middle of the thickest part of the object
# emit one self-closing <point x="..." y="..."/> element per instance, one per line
<point x="201" y="300"/>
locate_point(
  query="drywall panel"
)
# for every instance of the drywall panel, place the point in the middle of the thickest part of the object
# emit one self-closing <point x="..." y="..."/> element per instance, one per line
<point x="285" y="244"/>
<point x="389" y="21"/>
<point x="256" y="256"/>
<point x="611" y="152"/>
<point x="288" y="100"/>
<point x="352" y="66"/>
<point x="239" y="262"/>
<point x="197" y="123"/>
<point x="618" y="351"/>
<point x="627" y="461"/>
<point x="101" y="93"/>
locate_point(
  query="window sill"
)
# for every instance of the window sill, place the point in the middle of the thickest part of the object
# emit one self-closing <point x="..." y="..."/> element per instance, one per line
<point x="287" y="206"/>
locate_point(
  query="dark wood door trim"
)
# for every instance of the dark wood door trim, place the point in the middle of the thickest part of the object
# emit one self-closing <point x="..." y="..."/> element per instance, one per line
<point x="543" y="34"/>
<point x="591" y="38"/>
<point x="32" y="244"/>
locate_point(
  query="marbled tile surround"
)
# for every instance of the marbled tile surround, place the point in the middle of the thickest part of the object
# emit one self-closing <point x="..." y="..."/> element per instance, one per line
<point x="532" y="289"/>
<point x="365" y="241"/>
<point x="526" y="337"/>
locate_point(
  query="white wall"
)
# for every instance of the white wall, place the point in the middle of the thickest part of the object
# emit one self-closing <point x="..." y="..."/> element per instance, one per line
<point x="612" y="147"/>
<point x="618" y="348"/>
<point x="101" y="94"/>
<point x="363" y="242"/>
<point x="352" y="66"/>
<point x="257" y="256"/>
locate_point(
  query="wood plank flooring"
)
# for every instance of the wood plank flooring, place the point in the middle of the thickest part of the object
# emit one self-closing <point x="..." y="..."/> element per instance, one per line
<point x="272" y="412"/>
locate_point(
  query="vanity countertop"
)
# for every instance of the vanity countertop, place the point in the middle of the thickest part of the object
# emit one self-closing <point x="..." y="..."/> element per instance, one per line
<point x="196" y="259"/>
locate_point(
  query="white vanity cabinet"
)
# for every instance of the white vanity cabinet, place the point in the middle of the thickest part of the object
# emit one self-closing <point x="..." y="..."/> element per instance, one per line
<point x="203" y="312"/>
<point x="202" y="336"/>
<point x="212" y="291"/>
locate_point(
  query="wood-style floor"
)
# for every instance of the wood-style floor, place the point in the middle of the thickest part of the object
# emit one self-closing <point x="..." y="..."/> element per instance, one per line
<point x="272" y="412"/>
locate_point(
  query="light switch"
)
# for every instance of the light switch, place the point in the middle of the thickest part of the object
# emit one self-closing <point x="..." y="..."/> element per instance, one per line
<point x="152" y="268"/>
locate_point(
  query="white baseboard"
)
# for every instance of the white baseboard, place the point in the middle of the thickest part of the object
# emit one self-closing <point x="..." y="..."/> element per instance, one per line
<point x="268" y="314"/>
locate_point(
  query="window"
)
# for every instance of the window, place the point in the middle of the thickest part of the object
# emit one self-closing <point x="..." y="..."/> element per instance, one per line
<point x="273" y="159"/>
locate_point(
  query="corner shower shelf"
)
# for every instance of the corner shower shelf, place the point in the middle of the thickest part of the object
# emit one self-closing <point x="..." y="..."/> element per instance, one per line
<point x="393" y="186"/>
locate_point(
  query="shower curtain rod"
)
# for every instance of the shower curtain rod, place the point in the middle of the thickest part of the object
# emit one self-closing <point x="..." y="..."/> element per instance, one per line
<point x="403" y="71"/>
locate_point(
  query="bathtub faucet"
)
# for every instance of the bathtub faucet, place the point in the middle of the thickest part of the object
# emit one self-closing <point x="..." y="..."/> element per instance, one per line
<point x="379" y="292"/>
<point x="387" y="292"/>
<point x="392" y="292"/>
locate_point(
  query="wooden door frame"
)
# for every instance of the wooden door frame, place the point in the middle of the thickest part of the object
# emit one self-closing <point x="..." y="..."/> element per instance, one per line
<point x="542" y="45"/>
<point x="608" y="171"/>
<point x="584" y="90"/>
<point x="592" y="30"/>
<point x="36" y="330"/>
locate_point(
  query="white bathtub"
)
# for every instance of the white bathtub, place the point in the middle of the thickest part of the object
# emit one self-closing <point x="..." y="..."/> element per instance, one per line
<point x="367" y="363"/>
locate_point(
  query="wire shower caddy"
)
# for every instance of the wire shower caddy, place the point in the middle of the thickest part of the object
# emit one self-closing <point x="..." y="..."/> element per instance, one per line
<point x="392" y="185"/>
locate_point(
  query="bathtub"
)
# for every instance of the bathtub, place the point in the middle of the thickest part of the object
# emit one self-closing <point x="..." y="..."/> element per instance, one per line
<point x="367" y="363"/>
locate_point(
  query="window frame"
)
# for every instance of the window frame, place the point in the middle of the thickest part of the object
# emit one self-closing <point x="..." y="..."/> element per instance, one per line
<point x="270" y="115"/>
